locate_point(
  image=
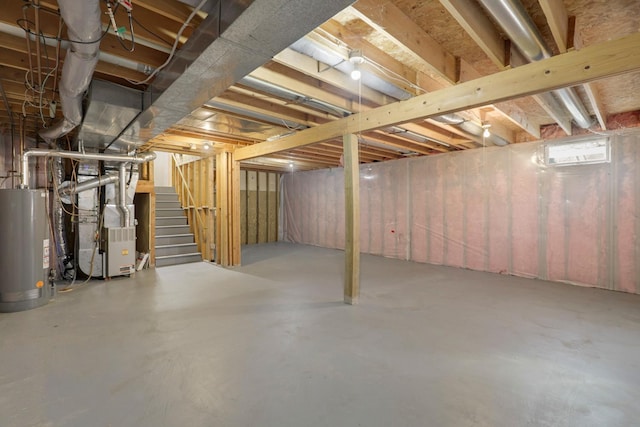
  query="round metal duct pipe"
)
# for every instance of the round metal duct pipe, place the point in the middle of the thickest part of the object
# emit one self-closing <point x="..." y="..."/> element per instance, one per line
<point x="514" y="20"/>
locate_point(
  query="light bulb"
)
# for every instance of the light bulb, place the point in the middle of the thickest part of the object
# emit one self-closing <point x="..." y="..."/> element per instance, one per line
<point x="356" y="74"/>
<point x="486" y="133"/>
<point x="206" y="146"/>
<point x="291" y="165"/>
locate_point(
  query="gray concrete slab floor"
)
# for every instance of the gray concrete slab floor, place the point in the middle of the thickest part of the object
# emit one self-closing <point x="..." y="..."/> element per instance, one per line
<point x="271" y="344"/>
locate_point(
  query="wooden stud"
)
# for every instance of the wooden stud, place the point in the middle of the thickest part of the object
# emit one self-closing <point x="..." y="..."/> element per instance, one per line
<point x="479" y="27"/>
<point x="228" y="210"/>
<point x="352" y="219"/>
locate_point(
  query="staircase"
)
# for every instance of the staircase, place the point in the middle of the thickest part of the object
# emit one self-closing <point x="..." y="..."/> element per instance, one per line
<point x="175" y="243"/>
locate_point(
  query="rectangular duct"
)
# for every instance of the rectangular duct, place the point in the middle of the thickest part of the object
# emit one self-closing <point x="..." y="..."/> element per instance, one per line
<point x="110" y="109"/>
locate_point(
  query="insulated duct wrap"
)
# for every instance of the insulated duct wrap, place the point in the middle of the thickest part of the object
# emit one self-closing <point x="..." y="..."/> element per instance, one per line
<point x="493" y="209"/>
<point x="83" y="26"/>
<point x="59" y="229"/>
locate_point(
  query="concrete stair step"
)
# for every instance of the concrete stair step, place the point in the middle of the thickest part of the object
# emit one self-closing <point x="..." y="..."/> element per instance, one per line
<point x="171" y="220"/>
<point x="166" y="197"/>
<point x="165" y="190"/>
<point x="162" y="261"/>
<point x="175" y="243"/>
<point x="179" y="249"/>
<point x="174" y="239"/>
<point x="166" y="230"/>
<point x="165" y="212"/>
<point x="172" y="204"/>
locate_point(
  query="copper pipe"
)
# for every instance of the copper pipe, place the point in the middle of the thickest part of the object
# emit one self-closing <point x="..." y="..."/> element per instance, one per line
<point x="22" y="130"/>
<point x="36" y="5"/>
<point x="55" y="76"/>
<point x="28" y="36"/>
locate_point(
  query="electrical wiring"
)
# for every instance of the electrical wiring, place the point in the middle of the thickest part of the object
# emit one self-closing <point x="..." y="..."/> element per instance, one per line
<point x="133" y="38"/>
<point x="26" y="29"/>
<point x="173" y="48"/>
<point x="394" y="76"/>
<point x="162" y="39"/>
<point x="42" y="88"/>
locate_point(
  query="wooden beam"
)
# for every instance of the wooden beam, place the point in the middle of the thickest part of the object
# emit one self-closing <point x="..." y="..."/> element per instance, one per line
<point x="425" y="79"/>
<point x="480" y="28"/>
<point x="389" y="20"/>
<point x="594" y="97"/>
<point x="352" y="219"/>
<point x="558" y="20"/>
<point x="227" y="210"/>
<point x="265" y="107"/>
<point x="591" y="63"/>
<point x="563" y="27"/>
<point x="406" y="74"/>
<point x="553" y="109"/>
<point x="320" y="116"/>
<point x="170" y="9"/>
<point x="284" y="77"/>
<point x="310" y="67"/>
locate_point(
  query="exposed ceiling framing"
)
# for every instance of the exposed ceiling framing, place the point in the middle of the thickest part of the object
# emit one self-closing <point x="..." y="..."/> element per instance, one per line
<point x="303" y="99"/>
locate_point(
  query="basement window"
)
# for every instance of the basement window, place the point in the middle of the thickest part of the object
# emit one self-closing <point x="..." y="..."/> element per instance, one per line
<point x="578" y="153"/>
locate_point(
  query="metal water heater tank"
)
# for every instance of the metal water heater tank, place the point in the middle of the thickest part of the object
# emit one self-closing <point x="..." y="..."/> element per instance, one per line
<point x="24" y="250"/>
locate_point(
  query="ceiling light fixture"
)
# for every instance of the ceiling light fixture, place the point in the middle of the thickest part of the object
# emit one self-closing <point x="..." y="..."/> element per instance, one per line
<point x="356" y="58"/>
<point x="291" y="165"/>
<point x="206" y="146"/>
<point x="485" y="132"/>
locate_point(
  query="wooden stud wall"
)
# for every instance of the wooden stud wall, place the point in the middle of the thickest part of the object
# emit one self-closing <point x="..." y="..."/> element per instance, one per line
<point x="194" y="183"/>
<point x="146" y="212"/>
<point x="227" y="210"/>
<point x="259" y="200"/>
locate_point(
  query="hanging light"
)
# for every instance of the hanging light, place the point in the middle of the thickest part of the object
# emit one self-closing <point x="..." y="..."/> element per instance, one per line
<point x="206" y="146"/>
<point x="356" y="73"/>
<point x="485" y="132"/>
<point x="356" y="58"/>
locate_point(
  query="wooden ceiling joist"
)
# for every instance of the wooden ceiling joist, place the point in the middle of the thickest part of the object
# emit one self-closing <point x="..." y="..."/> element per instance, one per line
<point x="386" y="18"/>
<point x="591" y="63"/>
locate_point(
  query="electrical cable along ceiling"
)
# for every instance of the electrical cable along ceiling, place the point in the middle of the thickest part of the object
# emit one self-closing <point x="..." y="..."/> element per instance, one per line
<point x="216" y="72"/>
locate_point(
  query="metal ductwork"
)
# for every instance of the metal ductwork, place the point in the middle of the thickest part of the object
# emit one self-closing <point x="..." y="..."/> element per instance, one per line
<point x="67" y="189"/>
<point x="83" y="25"/>
<point x="309" y="48"/>
<point x="65" y="266"/>
<point x="122" y="195"/>
<point x="517" y="24"/>
<point x="110" y="109"/>
<point x="312" y="49"/>
<point x="224" y="48"/>
<point x="292" y="96"/>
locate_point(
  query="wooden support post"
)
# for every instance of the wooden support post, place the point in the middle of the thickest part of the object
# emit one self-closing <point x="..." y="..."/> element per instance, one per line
<point x="227" y="209"/>
<point x="352" y="219"/>
<point x="210" y="201"/>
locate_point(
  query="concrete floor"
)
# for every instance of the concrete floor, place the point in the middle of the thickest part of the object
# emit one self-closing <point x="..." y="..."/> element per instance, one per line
<point x="272" y="344"/>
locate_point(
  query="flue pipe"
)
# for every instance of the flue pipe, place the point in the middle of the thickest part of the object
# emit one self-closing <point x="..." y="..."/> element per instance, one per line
<point x="122" y="195"/>
<point x="118" y="158"/>
<point x="90" y="184"/>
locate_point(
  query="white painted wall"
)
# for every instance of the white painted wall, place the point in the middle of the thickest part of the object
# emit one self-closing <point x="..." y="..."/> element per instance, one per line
<point x="162" y="169"/>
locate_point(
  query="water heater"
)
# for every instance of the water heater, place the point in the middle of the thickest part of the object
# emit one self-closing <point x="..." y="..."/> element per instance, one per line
<point x="24" y="250"/>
